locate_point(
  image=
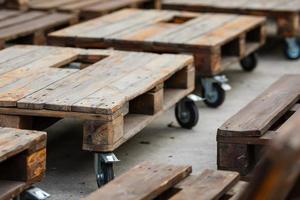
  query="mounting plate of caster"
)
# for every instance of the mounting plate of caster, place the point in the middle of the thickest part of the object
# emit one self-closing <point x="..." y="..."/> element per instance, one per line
<point x="292" y="49"/>
<point x="35" y="193"/>
<point x="249" y="63"/>
<point x="104" y="167"/>
<point x="187" y="113"/>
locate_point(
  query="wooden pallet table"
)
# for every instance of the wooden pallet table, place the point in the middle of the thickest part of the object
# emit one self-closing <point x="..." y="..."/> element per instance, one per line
<point x="115" y="93"/>
<point x="276" y="177"/>
<point x="216" y="41"/>
<point x="87" y="9"/>
<point x="241" y="140"/>
<point x="22" y="160"/>
<point x="30" y="27"/>
<point x="284" y="12"/>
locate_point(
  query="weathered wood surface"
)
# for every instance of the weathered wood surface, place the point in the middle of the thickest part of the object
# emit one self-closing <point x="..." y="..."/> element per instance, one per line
<point x="276" y="177"/>
<point x="33" y="25"/>
<point x="215" y="40"/>
<point x="241" y="138"/>
<point x="286" y="12"/>
<point x="263" y="5"/>
<point x="145" y="181"/>
<point x="22" y="160"/>
<point x="105" y="88"/>
<point x="86" y="8"/>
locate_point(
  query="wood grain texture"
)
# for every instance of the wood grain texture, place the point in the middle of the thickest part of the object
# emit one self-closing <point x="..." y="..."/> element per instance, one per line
<point x="168" y="31"/>
<point x="259" y="115"/>
<point x="87" y="8"/>
<point x="286" y="12"/>
<point x="22" y="160"/>
<point x="16" y="24"/>
<point x="145" y="181"/>
<point x="104" y="88"/>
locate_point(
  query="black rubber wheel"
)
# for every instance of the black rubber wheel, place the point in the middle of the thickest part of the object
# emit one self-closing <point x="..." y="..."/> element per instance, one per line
<point x="292" y="51"/>
<point x="249" y="63"/>
<point x="106" y="175"/>
<point x="187" y="114"/>
<point x="216" y="97"/>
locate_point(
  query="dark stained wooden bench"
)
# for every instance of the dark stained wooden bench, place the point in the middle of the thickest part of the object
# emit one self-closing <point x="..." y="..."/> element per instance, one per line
<point x="216" y="41"/>
<point x="22" y="160"/>
<point x="285" y="12"/>
<point x="30" y="27"/>
<point x="276" y="177"/>
<point x="86" y="9"/>
<point x="241" y="140"/>
<point x="115" y="93"/>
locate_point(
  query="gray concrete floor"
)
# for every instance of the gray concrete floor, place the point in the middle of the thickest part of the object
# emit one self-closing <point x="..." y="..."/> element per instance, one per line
<point x="70" y="173"/>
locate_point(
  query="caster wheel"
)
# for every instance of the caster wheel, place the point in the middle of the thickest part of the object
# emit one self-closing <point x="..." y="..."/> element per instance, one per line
<point x="249" y="63"/>
<point x="215" y="97"/>
<point x="292" y="49"/>
<point x="106" y="175"/>
<point x="187" y="114"/>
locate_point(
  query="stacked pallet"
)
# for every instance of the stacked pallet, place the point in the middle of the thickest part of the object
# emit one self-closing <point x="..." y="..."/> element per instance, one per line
<point x="22" y="160"/>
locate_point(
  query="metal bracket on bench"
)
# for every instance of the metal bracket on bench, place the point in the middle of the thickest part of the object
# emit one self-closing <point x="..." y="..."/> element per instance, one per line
<point x="35" y="193"/>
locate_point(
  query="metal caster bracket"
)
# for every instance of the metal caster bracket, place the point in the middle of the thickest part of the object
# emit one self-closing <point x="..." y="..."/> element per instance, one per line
<point x="35" y="193"/>
<point x="222" y="80"/>
<point x="104" y="167"/>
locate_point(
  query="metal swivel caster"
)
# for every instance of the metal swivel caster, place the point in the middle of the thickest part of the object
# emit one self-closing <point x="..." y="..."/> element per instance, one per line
<point x="104" y="167"/>
<point x="215" y="90"/>
<point x="249" y="63"/>
<point x="292" y="49"/>
<point x="187" y="113"/>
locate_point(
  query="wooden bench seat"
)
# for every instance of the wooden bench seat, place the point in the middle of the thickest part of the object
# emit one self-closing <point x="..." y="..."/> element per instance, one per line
<point x="243" y="136"/>
<point x="22" y="160"/>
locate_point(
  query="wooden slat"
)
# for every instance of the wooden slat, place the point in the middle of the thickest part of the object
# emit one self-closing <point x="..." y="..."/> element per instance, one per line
<point x="210" y="184"/>
<point x="259" y="115"/>
<point x="263" y="5"/>
<point x="145" y="181"/>
<point x="13" y="141"/>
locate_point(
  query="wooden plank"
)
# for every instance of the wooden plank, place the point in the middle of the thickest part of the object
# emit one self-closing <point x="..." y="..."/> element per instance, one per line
<point x="14" y="141"/>
<point x="210" y="184"/>
<point x="145" y="181"/>
<point x="259" y="115"/>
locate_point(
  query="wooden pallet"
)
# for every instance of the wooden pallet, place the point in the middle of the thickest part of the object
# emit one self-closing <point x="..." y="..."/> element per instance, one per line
<point x="30" y="27"/>
<point x="241" y="140"/>
<point x="87" y="9"/>
<point x="285" y="12"/>
<point x="115" y="93"/>
<point x="216" y="41"/>
<point x="22" y="160"/>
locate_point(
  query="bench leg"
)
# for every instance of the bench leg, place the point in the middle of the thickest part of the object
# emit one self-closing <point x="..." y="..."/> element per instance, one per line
<point x="104" y="167"/>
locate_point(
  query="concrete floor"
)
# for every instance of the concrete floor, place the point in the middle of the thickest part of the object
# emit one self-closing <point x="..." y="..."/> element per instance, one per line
<point x="70" y="173"/>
